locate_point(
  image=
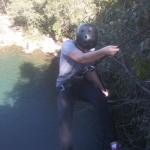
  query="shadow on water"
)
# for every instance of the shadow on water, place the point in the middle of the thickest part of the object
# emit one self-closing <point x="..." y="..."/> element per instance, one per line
<point x="29" y="122"/>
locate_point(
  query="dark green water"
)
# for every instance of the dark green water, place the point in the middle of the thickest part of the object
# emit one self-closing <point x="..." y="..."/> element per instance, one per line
<point x="28" y="112"/>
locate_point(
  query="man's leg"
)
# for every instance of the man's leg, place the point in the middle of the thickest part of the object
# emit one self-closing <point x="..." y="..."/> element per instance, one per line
<point x="65" y="112"/>
<point x="93" y="95"/>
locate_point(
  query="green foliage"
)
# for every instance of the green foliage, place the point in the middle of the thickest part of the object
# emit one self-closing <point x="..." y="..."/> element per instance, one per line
<point x="120" y="21"/>
<point x="127" y="75"/>
<point x="148" y="138"/>
<point x="141" y="67"/>
<point x="52" y="17"/>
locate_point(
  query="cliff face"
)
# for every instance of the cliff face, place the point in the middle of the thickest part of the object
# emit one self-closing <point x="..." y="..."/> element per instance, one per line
<point x="14" y="36"/>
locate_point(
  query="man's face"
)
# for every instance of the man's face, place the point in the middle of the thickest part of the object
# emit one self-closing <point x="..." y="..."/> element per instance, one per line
<point x="83" y="50"/>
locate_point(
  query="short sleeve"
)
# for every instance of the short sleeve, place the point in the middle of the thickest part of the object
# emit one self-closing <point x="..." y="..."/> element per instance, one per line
<point x="68" y="47"/>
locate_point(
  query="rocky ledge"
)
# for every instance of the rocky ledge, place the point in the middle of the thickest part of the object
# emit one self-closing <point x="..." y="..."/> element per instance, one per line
<point x="14" y="36"/>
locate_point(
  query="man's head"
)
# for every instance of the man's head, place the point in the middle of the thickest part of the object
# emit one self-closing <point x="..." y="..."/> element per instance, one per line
<point x="86" y="36"/>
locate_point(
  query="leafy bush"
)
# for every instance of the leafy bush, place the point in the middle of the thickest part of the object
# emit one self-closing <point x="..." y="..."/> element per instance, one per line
<point x="52" y="17"/>
<point x="127" y="74"/>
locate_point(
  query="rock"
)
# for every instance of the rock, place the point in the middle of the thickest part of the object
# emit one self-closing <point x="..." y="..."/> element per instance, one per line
<point x="31" y="46"/>
<point x="14" y="36"/>
<point x="48" y="45"/>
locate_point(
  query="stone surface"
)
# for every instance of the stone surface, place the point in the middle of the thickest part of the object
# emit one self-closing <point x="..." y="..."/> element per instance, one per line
<point x="14" y="36"/>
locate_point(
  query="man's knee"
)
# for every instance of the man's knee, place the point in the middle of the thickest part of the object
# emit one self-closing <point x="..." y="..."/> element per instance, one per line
<point x="65" y="136"/>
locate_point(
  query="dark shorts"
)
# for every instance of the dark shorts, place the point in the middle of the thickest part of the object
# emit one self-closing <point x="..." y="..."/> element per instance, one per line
<point x="87" y="92"/>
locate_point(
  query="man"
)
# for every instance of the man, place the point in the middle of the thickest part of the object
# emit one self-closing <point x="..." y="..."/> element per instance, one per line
<point x="78" y="79"/>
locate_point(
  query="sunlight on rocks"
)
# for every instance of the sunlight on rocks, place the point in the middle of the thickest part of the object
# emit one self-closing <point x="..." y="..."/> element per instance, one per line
<point x="15" y="36"/>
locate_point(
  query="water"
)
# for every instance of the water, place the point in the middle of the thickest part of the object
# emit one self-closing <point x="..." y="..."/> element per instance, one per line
<point x="28" y="112"/>
<point x="27" y="101"/>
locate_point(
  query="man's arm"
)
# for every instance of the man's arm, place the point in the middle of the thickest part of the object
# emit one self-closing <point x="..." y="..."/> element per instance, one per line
<point x="82" y="57"/>
<point x="93" y="76"/>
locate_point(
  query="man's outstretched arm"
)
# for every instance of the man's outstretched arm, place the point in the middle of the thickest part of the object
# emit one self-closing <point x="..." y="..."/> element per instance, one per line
<point x="87" y="57"/>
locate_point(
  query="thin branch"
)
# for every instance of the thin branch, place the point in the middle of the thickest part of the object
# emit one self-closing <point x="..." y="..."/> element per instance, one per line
<point x="143" y="88"/>
<point x="4" y="6"/>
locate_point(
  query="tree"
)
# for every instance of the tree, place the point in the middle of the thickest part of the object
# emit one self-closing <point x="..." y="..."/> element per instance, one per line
<point x="52" y="17"/>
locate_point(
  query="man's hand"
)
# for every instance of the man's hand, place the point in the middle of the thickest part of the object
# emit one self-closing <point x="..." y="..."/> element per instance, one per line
<point x="106" y="93"/>
<point x="110" y="50"/>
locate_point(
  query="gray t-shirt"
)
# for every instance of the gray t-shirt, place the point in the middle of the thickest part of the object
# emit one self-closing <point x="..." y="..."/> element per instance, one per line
<point x="68" y="66"/>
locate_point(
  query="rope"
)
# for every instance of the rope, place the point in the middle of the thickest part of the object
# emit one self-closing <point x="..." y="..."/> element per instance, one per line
<point x="128" y="40"/>
<point x="122" y="44"/>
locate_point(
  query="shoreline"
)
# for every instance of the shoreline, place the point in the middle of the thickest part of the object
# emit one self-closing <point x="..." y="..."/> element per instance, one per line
<point x="15" y="36"/>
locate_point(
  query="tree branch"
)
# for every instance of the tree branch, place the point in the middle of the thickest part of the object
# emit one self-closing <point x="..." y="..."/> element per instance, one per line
<point x="4" y="6"/>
